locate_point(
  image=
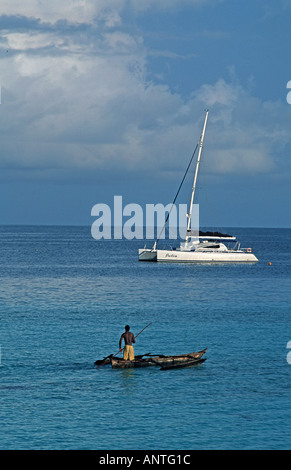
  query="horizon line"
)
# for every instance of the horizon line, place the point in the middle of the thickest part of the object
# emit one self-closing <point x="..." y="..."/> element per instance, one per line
<point x="112" y="226"/>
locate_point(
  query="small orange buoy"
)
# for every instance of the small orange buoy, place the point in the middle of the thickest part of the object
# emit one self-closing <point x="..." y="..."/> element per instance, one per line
<point x="270" y="264"/>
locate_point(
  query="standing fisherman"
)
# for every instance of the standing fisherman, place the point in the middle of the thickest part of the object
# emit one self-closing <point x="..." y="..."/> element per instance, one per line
<point x="128" y="352"/>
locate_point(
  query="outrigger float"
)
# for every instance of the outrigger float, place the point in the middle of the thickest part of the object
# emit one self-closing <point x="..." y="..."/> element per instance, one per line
<point x="151" y="360"/>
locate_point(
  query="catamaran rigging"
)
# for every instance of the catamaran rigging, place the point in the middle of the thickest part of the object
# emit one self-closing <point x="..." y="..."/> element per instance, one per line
<point x="202" y="246"/>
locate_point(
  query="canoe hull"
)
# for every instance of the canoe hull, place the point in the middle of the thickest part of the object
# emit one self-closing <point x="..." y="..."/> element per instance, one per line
<point x="185" y="364"/>
<point x="119" y="363"/>
<point x="122" y="364"/>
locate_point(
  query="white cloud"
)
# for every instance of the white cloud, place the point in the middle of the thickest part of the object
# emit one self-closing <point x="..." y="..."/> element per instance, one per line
<point x="247" y="134"/>
<point x="51" y="11"/>
<point x="74" y="11"/>
<point x="25" y="41"/>
<point x="99" y="112"/>
<point x="75" y="102"/>
<point x="86" y="11"/>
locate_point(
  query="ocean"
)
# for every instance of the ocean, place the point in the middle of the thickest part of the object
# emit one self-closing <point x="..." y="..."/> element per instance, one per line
<point x="64" y="301"/>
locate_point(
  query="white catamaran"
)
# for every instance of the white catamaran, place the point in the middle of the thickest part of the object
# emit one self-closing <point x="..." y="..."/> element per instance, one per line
<point x="200" y="247"/>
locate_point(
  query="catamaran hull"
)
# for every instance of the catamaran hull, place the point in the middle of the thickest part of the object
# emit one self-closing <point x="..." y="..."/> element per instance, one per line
<point x="173" y="256"/>
<point x="147" y="255"/>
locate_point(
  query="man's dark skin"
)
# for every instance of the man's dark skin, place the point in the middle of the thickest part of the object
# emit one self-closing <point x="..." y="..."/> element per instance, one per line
<point x="128" y="338"/>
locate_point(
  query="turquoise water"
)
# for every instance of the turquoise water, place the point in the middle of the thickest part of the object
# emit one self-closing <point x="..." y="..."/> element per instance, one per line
<point x="65" y="299"/>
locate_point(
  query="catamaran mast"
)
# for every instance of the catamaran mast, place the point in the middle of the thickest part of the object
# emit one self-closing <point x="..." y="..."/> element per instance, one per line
<point x="196" y="175"/>
<point x="194" y="184"/>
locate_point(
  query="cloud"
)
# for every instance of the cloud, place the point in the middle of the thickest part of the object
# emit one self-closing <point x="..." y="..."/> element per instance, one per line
<point x="88" y="11"/>
<point x="74" y="11"/>
<point x="247" y="134"/>
<point x="79" y="99"/>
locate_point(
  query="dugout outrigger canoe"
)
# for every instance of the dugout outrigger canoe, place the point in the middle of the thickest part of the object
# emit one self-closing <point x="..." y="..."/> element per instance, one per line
<point x="162" y="361"/>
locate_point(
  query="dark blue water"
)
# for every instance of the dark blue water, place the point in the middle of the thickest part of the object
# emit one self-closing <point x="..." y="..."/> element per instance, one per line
<point x="64" y="300"/>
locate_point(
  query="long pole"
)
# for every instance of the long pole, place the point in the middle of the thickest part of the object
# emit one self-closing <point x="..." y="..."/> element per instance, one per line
<point x="196" y="172"/>
<point x="143" y="330"/>
<point x="111" y="356"/>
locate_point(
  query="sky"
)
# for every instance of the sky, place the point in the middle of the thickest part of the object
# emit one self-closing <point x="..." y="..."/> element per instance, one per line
<point x="107" y="97"/>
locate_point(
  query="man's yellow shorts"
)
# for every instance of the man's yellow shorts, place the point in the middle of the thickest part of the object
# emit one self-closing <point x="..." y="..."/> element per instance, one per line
<point x="128" y="353"/>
